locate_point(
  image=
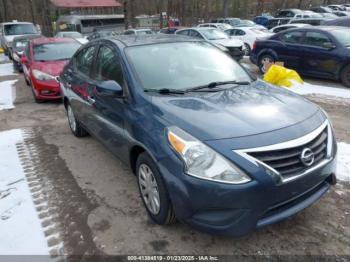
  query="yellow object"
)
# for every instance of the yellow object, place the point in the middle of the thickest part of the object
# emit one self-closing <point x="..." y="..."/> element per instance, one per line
<point x="1" y="50"/>
<point x="281" y="76"/>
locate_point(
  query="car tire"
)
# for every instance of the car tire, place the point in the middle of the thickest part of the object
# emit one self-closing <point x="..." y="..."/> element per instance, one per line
<point x="345" y="76"/>
<point x="37" y="100"/>
<point x="263" y="59"/>
<point x="248" y="50"/>
<point x="150" y="181"/>
<point x="74" y="124"/>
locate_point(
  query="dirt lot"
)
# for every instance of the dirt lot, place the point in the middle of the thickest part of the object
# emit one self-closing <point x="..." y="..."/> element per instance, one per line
<point x="95" y="204"/>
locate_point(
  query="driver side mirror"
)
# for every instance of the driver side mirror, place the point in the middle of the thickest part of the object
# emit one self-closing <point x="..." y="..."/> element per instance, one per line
<point x="24" y="59"/>
<point x="109" y="88"/>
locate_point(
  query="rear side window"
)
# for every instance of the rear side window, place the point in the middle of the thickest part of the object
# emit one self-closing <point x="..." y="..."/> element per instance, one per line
<point x="85" y="60"/>
<point x="184" y="32"/>
<point x="108" y="66"/>
<point x="292" y="37"/>
<point x="316" y="39"/>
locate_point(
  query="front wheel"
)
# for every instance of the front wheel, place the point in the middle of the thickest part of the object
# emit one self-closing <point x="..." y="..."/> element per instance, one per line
<point x="74" y="124"/>
<point x="153" y="191"/>
<point x="264" y="61"/>
<point x="345" y="76"/>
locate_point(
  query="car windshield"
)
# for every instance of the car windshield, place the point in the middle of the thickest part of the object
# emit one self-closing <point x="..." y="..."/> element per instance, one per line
<point x="20" y="29"/>
<point x="342" y="35"/>
<point x="55" y="51"/>
<point x="214" y="34"/>
<point x="181" y="66"/>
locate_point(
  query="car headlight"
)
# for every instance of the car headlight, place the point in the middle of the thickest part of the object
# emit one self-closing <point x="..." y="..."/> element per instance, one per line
<point x="42" y="76"/>
<point x="203" y="162"/>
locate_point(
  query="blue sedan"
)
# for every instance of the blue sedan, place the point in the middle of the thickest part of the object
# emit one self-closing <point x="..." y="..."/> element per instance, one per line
<point x="210" y="145"/>
<point x="322" y="52"/>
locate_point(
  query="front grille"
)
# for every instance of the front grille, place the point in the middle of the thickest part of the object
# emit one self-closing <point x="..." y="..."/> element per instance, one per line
<point x="288" y="163"/>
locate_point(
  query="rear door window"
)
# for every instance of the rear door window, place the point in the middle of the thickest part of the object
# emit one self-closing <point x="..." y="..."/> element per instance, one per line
<point x="316" y="39"/>
<point x="294" y="37"/>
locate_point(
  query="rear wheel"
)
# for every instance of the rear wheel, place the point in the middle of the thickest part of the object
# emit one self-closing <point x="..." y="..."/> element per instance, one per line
<point x="153" y="191"/>
<point x="264" y="61"/>
<point x="345" y="76"/>
<point x="74" y="124"/>
<point x="247" y="49"/>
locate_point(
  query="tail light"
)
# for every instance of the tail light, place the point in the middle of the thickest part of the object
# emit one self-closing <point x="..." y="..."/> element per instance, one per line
<point x="254" y="45"/>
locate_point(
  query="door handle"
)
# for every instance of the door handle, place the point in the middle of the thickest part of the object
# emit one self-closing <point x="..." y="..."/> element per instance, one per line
<point x="91" y="100"/>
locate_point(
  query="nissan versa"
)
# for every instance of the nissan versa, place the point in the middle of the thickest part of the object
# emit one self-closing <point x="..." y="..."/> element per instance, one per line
<point x="209" y="144"/>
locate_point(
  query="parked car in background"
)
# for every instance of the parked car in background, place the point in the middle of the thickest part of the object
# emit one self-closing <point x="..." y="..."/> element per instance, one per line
<point x="71" y="34"/>
<point x="309" y="21"/>
<point x="337" y="7"/>
<point x="209" y="145"/>
<point x="229" y="20"/>
<point x="19" y="44"/>
<point x="342" y="21"/>
<point x="10" y="30"/>
<point x="248" y="35"/>
<point x="101" y="34"/>
<point x="220" y="26"/>
<point x="262" y="20"/>
<point x="341" y="13"/>
<point x="289" y="13"/>
<point x="329" y="16"/>
<point x="170" y="30"/>
<point x="215" y="36"/>
<point x="43" y="61"/>
<point x="314" y="51"/>
<point x="281" y="28"/>
<point x="276" y="22"/>
<point x="347" y="6"/>
<point x="138" y="31"/>
<point x="321" y="9"/>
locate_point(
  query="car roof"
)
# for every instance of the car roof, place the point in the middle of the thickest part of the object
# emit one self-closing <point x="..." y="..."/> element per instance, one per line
<point x="140" y="40"/>
<point x="16" y="23"/>
<point x="48" y="40"/>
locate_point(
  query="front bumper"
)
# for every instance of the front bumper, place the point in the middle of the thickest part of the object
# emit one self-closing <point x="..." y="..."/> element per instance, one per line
<point x="239" y="209"/>
<point x="46" y="90"/>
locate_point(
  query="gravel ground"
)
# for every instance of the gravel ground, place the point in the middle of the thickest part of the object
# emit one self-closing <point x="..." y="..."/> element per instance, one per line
<point x="95" y="203"/>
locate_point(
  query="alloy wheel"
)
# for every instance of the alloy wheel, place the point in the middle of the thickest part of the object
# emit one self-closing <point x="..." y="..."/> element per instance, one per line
<point x="71" y="119"/>
<point x="149" y="189"/>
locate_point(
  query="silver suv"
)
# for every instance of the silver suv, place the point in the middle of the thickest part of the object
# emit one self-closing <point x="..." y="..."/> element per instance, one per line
<point x="10" y="30"/>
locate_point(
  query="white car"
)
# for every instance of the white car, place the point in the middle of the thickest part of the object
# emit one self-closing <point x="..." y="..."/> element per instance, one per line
<point x="8" y="31"/>
<point x="281" y="28"/>
<point x="72" y="34"/>
<point x="248" y="35"/>
<point x="236" y="47"/>
<point x="219" y="26"/>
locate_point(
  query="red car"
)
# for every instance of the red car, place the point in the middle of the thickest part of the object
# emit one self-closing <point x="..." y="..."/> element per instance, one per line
<point x="43" y="61"/>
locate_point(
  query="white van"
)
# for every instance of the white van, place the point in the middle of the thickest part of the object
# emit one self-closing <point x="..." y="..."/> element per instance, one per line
<point x="10" y="30"/>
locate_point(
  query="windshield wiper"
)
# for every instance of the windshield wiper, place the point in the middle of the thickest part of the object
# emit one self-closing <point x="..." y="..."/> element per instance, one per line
<point x="217" y="84"/>
<point x="166" y="91"/>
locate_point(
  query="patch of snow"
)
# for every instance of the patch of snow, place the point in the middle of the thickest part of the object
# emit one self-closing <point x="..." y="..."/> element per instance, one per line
<point x="7" y="69"/>
<point x="21" y="231"/>
<point x="343" y="164"/>
<point x="308" y="89"/>
<point x="7" y="94"/>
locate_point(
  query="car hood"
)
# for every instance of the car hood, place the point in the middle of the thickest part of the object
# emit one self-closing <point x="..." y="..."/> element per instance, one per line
<point x="229" y="42"/>
<point x="235" y="112"/>
<point x="53" y="68"/>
